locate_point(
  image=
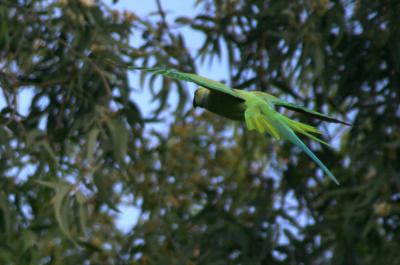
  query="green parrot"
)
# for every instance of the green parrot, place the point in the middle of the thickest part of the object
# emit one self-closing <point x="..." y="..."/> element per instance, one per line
<point x="256" y="108"/>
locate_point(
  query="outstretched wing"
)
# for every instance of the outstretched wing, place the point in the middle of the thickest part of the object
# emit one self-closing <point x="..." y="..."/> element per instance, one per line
<point x="199" y="80"/>
<point x="313" y="113"/>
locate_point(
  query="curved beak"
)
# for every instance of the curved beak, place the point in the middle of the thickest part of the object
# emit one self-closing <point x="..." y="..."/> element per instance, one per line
<point x="194" y="102"/>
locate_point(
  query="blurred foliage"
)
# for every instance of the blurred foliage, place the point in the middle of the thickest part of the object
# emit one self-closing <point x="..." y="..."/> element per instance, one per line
<point x="209" y="191"/>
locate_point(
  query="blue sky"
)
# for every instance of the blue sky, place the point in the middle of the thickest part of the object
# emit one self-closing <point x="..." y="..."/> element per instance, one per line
<point x="216" y="70"/>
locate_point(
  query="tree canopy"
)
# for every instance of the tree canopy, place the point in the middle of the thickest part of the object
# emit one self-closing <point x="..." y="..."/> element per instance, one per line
<point x="209" y="191"/>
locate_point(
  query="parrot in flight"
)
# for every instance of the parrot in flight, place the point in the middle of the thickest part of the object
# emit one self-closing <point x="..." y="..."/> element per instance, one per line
<point x="256" y="108"/>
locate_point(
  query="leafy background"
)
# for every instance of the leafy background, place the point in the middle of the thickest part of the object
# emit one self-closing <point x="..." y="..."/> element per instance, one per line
<point x="209" y="192"/>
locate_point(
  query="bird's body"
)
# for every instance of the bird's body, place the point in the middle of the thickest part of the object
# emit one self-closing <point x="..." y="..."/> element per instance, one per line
<point x="256" y="108"/>
<point x="216" y="102"/>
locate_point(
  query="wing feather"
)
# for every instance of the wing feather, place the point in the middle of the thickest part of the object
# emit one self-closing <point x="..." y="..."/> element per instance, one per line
<point x="256" y="120"/>
<point x="307" y="111"/>
<point x="199" y="80"/>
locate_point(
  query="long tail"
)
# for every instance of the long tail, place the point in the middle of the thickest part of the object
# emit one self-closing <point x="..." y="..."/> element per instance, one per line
<point x="287" y="133"/>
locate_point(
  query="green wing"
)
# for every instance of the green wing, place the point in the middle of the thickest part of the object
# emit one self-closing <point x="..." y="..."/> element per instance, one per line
<point x="199" y="80"/>
<point x="313" y="113"/>
<point x="257" y="119"/>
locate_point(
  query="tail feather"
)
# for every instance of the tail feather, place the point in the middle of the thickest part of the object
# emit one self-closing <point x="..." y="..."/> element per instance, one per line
<point x="303" y="128"/>
<point x="264" y="120"/>
<point x="289" y="134"/>
<point x="299" y="125"/>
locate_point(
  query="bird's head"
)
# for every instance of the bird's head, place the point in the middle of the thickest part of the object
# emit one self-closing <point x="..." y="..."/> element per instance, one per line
<point x="200" y="97"/>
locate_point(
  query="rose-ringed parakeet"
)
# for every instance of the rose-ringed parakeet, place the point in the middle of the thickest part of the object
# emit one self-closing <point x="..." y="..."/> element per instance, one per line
<point x="256" y="108"/>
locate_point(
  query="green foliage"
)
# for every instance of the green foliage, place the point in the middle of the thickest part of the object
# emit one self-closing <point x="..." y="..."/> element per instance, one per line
<point x="210" y="192"/>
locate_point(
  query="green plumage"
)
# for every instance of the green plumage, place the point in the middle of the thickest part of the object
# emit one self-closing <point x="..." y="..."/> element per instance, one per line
<point x="256" y="108"/>
<point x="219" y="102"/>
